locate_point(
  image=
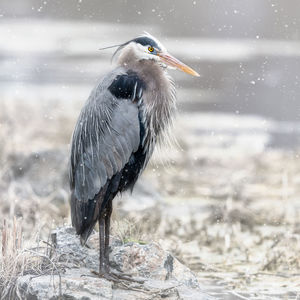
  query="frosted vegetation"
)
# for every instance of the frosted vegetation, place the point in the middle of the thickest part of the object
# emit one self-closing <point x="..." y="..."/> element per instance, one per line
<point x="226" y="200"/>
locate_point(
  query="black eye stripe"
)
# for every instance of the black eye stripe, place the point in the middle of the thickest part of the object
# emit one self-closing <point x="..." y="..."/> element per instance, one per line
<point x="146" y="41"/>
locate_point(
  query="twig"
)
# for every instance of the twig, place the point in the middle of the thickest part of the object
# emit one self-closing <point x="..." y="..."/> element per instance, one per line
<point x="54" y="266"/>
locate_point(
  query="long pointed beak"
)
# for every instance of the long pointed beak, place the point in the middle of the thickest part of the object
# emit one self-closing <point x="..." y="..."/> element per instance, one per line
<point x="174" y="62"/>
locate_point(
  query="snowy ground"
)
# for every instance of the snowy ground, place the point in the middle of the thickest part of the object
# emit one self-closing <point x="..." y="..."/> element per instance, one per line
<point x="228" y="204"/>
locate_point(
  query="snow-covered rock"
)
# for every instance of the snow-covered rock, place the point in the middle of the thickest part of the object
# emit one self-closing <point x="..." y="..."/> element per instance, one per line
<point x="71" y="277"/>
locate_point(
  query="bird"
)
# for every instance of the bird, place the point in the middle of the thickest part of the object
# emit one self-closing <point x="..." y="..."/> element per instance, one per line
<point x="127" y="114"/>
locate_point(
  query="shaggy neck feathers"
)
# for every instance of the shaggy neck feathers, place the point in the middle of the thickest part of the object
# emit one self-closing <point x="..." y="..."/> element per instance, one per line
<point x="159" y="96"/>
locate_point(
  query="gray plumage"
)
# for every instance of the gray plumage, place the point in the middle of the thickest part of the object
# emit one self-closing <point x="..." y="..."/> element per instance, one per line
<point x="106" y="134"/>
<point x="127" y="114"/>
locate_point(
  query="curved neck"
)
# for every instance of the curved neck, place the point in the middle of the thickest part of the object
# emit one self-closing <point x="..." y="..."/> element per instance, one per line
<point x="148" y="69"/>
<point x="159" y="95"/>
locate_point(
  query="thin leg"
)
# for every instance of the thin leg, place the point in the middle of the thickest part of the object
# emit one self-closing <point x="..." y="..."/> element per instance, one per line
<point x="102" y="268"/>
<point x="107" y="229"/>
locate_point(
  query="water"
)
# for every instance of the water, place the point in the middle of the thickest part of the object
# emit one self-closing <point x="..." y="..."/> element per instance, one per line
<point x="248" y="55"/>
<point x="247" y="52"/>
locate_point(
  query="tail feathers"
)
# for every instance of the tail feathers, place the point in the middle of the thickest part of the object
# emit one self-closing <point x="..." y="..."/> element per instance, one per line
<point x="85" y="235"/>
<point x="85" y="214"/>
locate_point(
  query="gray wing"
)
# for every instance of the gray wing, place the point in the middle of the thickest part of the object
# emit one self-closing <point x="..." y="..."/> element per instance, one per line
<point x="106" y="134"/>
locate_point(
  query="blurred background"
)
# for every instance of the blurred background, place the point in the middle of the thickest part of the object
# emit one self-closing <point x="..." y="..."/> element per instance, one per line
<point x="228" y="196"/>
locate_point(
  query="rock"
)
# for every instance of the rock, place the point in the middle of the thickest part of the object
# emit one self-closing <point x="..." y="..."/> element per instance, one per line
<point x="151" y="261"/>
<point x="35" y="169"/>
<point x="71" y="286"/>
<point x="164" y="276"/>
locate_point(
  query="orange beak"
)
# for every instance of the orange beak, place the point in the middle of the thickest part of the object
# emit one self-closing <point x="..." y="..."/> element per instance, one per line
<point x="174" y="62"/>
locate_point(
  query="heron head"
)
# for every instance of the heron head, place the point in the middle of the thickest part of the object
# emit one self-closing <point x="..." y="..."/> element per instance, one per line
<point x="147" y="47"/>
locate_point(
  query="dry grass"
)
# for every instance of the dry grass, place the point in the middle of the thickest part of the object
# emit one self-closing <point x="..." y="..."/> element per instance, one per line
<point x="11" y="246"/>
<point x="28" y="218"/>
<point x="226" y="218"/>
<point x="130" y="230"/>
<point x="21" y="136"/>
<point x="34" y="257"/>
<point x="15" y="260"/>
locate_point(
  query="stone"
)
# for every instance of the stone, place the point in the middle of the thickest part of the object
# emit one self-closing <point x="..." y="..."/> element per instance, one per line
<point x="151" y="261"/>
<point x="71" y="285"/>
<point x="44" y="171"/>
<point x="71" y="277"/>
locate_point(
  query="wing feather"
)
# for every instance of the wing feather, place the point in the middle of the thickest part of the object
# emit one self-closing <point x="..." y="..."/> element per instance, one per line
<point x="106" y="134"/>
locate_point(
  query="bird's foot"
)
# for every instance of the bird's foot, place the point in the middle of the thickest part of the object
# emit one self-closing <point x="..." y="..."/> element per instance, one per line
<point x="127" y="277"/>
<point x="115" y="276"/>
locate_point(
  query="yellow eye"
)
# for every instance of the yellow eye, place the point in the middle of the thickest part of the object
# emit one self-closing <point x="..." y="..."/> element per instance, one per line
<point x="150" y="49"/>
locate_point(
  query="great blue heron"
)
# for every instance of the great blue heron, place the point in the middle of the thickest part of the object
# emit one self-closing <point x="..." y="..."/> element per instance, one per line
<point x="124" y="117"/>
